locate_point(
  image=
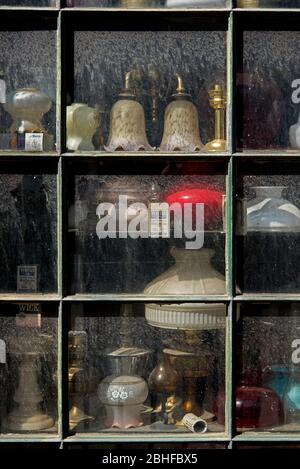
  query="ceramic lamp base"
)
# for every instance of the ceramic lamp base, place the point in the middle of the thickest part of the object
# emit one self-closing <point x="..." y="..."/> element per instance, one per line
<point x="19" y="422"/>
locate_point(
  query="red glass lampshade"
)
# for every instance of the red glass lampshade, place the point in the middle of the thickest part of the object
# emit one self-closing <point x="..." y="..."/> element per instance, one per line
<point x="212" y="200"/>
<point x="256" y="407"/>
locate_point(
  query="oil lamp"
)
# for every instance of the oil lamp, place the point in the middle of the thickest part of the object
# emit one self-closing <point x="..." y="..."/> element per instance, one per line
<point x="218" y="103"/>
<point x="127" y="122"/>
<point x="180" y="376"/>
<point x="79" y="384"/>
<point x="191" y="275"/>
<point x="181" y="127"/>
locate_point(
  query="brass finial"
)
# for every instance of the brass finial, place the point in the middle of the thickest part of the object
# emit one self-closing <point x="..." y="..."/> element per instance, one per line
<point x="217" y="98"/>
<point x="128" y="90"/>
<point x="180" y="90"/>
<point x="218" y="103"/>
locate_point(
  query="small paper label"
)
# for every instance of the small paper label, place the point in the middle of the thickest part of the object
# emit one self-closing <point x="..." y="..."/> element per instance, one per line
<point x="29" y="320"/>
<point x="2" y="92"/>
<point x="159" y="221"/>
<point x="2" y="351"/>
<point x="27" y="278"/>
<point x="34" y="141"/>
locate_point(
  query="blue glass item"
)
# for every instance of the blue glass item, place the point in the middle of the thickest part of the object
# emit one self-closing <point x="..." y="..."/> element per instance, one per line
<point x="291" y="398"/>
<point x="276" y="377"/>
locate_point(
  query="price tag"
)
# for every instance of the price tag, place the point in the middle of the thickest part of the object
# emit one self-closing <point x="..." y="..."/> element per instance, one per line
<point x="2" y="351"/>
<point x="2" y="92"/>
<point x="27" y="278"/>
<point x="34" y="141"/>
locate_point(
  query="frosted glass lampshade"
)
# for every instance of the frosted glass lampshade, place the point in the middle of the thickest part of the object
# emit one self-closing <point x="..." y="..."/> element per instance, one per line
<point x="192" y="275"/>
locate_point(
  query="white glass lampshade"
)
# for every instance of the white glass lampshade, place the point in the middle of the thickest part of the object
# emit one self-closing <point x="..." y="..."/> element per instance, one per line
<point x="270" y="211"/>
<point x="191" y="275"/>
<point x="187" y="316"/>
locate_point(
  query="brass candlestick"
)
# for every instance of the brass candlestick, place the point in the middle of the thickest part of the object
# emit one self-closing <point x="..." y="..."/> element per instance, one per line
<point x="79" y="385"/>
<point x="218" y="103"/>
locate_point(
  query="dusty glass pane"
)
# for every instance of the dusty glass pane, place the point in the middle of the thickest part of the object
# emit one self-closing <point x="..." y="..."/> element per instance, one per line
<point x="267" y="3"/>
<point x="145" y="446"/>
<point x="28" y="368"/>
<point x="129" y="80"/>
<point x="149" y="3"/>
<point x="127" y="375"/>
<point x="268" y="234"/>
<point x="268" y="90"/>
<point x="28" y="233"/>
<point x="121" y="243"/>
<point x="268" y="359"/>
<point x="28" y="109"/>
<point x="29" y="3"/>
